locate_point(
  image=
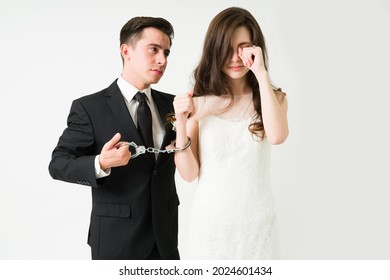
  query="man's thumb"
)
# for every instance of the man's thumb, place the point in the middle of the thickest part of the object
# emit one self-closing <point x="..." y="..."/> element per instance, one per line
<point x="113" y="140"/>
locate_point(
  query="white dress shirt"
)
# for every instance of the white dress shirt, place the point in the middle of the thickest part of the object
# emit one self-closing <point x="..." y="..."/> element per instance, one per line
<point x="129" y="91"/>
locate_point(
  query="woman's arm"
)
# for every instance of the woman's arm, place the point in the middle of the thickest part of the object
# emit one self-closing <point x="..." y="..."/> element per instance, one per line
<point x="274" y="110"/>
<point x="187" y="161"/>
<point x="273" y="103"/>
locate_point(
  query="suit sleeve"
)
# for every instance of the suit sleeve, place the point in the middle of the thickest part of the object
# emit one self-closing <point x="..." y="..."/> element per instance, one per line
<point x="73" y="158"/>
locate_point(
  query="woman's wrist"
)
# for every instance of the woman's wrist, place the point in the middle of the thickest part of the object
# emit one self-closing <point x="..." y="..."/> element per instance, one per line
<point x="181" y="124"/>
<point x="262" y="75"/>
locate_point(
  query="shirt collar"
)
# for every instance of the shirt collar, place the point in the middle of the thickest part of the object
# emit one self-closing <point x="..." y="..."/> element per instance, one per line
<point x="129" y="91"/>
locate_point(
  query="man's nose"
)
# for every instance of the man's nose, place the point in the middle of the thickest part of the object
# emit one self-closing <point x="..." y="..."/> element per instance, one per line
<point x="161" y="59"/>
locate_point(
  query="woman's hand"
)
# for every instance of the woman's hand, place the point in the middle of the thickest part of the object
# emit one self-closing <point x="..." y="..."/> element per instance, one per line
<point x="183" y="105"/>
<point x="252" y="57"/>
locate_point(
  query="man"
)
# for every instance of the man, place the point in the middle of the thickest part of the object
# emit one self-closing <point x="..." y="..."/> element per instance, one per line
<point x="134" y="200"/>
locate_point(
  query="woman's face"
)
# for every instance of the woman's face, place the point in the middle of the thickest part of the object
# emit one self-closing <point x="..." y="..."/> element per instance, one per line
<point x="234" y="67"/>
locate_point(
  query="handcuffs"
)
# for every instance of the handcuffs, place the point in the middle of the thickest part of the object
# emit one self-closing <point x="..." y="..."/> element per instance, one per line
<point x="139" y="150"/>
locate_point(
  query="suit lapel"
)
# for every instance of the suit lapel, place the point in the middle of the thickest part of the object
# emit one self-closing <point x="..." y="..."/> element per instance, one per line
<point x="164" y="108"/>
<point x="118" y="106"/>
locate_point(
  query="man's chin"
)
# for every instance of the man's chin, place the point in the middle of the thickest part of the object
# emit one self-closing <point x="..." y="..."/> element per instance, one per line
<point x="154" y="81"/>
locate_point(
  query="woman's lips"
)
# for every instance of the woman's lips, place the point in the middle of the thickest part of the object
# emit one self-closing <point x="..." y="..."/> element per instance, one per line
<point x="236" y="67"/>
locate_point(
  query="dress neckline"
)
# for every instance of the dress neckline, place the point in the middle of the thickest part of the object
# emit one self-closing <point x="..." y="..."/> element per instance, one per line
<point x="231" y="120"/>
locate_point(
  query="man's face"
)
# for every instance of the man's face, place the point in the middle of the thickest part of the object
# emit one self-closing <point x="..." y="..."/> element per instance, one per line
<point x="147" y="58"/>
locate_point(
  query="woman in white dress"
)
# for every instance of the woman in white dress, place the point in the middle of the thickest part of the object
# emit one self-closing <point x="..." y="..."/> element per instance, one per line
<point x="232" y="117"/>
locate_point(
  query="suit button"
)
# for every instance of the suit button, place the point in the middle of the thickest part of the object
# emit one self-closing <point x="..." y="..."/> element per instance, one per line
<point x="154" y="172"/>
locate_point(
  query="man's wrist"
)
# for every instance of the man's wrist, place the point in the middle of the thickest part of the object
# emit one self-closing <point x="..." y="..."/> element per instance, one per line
<point x="99" y="171"/>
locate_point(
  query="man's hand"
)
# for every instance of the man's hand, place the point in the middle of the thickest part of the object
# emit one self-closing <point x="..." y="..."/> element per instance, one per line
<point x="114" y="155"/>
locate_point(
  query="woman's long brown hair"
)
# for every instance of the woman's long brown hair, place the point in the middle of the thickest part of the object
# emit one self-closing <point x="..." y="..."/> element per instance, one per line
<point x="208" y="75"/>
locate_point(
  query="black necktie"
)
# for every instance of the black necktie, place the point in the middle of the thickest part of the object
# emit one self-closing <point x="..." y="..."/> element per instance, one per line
<point x="144" y="120"/>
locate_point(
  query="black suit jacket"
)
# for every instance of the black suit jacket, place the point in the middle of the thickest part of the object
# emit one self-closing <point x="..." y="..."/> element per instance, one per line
<point x="137" y="204"/>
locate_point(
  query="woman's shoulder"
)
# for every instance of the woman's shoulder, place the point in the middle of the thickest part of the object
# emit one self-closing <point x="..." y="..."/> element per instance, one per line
<point x="206" y="105"/>
<point x="279" y="91"/>
<point x="280" y="94"/>
<point x="199" y="107"/>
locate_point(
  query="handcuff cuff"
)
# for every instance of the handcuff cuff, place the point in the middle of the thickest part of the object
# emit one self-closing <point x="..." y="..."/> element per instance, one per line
<point x="139" y="150"/>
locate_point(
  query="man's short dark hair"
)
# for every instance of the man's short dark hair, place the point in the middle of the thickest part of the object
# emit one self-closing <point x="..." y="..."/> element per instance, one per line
<point x="132" y="30"/>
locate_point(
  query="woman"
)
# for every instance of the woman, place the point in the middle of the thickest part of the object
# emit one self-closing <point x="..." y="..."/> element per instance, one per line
<point x="232" y="116"/>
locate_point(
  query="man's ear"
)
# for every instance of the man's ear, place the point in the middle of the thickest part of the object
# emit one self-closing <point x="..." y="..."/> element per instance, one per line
<point x="125" y="51"/>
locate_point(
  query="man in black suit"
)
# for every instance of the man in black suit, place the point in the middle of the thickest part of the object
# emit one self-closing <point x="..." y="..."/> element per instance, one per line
<point x="134" y="200"/>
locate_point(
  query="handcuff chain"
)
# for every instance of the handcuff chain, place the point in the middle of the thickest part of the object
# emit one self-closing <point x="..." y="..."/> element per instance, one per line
<point x="156" y="151"/>
<point x="139" y="150"/>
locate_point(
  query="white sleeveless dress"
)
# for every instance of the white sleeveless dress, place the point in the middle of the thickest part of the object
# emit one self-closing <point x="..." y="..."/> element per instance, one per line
<point x="233" y="213"/>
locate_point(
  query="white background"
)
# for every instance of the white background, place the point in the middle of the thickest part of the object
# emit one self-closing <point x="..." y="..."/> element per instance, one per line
<point x="331" y="177"/>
